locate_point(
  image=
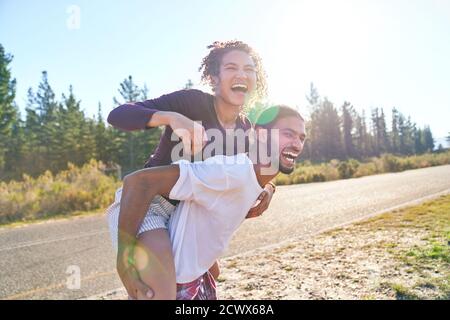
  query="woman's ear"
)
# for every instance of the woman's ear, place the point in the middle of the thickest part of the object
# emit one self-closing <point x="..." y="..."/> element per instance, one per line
<point x="215" y="82"/>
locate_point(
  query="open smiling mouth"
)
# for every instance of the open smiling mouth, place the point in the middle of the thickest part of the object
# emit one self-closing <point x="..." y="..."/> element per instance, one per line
<point x="289" y="156"/>
<point x="239" y="88"/>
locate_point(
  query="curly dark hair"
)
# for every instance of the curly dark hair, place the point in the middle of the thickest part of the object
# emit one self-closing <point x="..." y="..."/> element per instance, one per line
<point x="210" y="65"/>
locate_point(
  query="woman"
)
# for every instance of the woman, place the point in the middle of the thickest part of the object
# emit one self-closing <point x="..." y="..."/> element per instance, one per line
<point x="235" y="74"/>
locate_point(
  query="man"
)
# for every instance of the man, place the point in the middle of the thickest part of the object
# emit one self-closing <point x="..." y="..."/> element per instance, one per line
<point x="236" y="76"/>
<point x="215" y="196"/>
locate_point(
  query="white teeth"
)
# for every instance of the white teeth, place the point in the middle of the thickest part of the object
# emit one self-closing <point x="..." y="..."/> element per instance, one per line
<point x="290" y="154"/>
<point x="290" y="157"/>
<point x="238" y="85"/>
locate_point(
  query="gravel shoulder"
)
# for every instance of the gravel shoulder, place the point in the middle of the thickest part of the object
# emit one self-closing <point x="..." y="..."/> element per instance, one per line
<point x="404" y="254"/>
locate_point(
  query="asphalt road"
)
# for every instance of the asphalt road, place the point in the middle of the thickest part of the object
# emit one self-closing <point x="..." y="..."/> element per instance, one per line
<point x="37" y="261"/>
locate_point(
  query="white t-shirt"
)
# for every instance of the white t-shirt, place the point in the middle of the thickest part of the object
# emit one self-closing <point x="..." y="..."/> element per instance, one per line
<point x="216" y="196"/>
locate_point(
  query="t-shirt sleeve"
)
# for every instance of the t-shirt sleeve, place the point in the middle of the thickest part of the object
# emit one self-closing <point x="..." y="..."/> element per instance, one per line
<point x="136" y="115"/>
<point x="204" y="182"/>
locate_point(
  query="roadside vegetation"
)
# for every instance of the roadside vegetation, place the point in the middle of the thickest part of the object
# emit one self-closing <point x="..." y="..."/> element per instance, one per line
<point x="75" y="190"/>
<point x="86" y="189"/>
<point x="306" y="171"/>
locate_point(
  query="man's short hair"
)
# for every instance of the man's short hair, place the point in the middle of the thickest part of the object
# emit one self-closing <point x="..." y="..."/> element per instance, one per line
<point x="269" y="116"/>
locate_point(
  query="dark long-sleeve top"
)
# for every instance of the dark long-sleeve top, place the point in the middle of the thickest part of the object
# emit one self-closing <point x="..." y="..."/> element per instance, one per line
<point x="194" y="104"/>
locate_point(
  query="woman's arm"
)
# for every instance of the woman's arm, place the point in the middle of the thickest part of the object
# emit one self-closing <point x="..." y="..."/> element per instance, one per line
<point x="174" y="110"/>
<point x="132" y="116"/>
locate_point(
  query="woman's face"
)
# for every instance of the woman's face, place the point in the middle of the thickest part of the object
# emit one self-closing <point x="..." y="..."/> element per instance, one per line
<point x="237" y="78"/>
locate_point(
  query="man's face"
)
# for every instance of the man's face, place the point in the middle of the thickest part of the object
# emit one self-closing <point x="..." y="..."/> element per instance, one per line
<point x="291" y="139"/>
<point x="237" y="78"/>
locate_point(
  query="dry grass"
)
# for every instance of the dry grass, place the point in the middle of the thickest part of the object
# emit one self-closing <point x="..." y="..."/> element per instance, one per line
<point x="70" y="192"/>
<point x="403" y="254"/>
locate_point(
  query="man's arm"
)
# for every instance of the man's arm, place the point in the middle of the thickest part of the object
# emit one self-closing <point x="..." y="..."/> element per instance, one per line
<point x="139" y="189"/>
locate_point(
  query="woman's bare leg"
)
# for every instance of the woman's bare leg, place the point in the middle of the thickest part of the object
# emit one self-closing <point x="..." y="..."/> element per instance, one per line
<point x="154" y="261"/>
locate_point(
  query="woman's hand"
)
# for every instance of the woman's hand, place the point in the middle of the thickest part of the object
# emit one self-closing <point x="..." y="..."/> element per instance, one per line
<point x="264" y="200"/>
<point x="192" y="133"/>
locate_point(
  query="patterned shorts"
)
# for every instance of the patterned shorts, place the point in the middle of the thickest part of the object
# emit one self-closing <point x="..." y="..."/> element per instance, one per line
<point x="202" y="288"/>
<point x="157" y="216"/>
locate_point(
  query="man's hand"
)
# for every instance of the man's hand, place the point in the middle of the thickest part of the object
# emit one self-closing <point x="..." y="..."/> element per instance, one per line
<point x="130" y="278"/>
<point x="264" y="200"/>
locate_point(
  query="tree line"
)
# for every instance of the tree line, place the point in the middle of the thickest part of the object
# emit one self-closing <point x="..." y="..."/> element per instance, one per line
<point x="346" y="133"/>
<point x="54" y="132"/>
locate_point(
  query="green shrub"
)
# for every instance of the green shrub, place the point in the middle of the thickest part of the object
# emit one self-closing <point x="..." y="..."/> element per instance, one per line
<point x="347" y="168"/>
<point x="390" y="163"/>
<point x="76" y="189"/>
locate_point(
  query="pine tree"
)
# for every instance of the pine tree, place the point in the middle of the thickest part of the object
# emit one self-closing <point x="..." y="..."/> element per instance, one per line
<point x="9" y="116"/>
<point x="47" y="108"/>
<point x="376" y="131"/>
<point x="419" y="146"/>
<point x="189" y="85"/>
<point x="347" y="128"/>
<point x="313" y="97"/>
<point x="144" y="92"/>
<point x="312" y="130"/>
<point x="15" y="155"/>
<point x="407" y="140"/>
<point x="77" y="145"/>
<point x="402" y="134"/>
<point x="101" y="137"/>
<point x="88" y="147"/>
<point x="325" y="132"/>
<point x="428" y="139"/>
<point x="360" y="136"/>
<point x="384" y="136"/>
<point x="129" y="91"/>
<point x="395" y="135"/>
<point x="379" y="130"/>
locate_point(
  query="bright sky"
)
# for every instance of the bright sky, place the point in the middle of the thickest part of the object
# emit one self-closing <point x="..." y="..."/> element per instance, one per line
<point x="371" y="53"/>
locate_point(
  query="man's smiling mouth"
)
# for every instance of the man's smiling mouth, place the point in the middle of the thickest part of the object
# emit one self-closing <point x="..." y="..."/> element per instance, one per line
<point x="289" y="156"/>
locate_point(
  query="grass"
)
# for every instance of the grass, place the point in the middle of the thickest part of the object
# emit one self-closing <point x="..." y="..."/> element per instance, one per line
<point x="402" y="292"/>
<point x="429" y="260"/>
